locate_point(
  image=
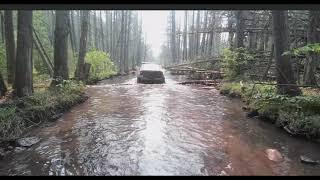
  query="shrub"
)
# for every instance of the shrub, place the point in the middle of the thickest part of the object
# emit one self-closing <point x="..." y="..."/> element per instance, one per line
<point x="304" y="50"/>
<point x="247" y="91"/>
<point x="101" y="65"/>
<point x="10" y="124"/>
<point x="235" y="61"/>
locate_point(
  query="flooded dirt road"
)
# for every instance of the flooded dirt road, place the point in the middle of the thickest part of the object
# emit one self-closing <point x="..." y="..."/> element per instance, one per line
<point x="159" y="129"/>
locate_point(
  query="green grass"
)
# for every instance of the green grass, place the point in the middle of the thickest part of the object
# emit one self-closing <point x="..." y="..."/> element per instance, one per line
<point x="300" y="114"/>
<point x="23" y="113"/>
<point x="95" y="79"/>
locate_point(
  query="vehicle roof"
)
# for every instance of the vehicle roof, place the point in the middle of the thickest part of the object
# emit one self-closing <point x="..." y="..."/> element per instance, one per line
<point x="150" y="67"/>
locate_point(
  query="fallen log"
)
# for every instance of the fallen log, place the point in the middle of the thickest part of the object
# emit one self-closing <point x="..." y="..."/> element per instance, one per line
<point x="196" y="71"/>
<point x="202" y="82"/>
<point x="213" y="59"/>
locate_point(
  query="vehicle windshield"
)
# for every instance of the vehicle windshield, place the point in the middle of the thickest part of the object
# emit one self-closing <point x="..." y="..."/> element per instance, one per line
<point x="150" y="67"/>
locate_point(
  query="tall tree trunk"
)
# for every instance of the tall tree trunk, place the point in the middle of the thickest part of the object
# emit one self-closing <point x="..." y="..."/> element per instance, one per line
<point x="217" y="43"/>
<point x="114" y="36"/>
<point x="193" y="35"/>
<point x="53" y="24"/>
<point x="266" y="41"/>
<point x="61" y="70"/>
<point x="261" y="41"/>
<point x="139" y="46"/>
<point x="211" y="38"/>
<point x="83" y="43"/>
<point x="49" y="27"/>
<point x="240" y="29"/>
<point x="107" y="33"/>
<point x="73" y="32"/>
<point x="2" y="27"/>
<point x="283" y="63"/>
<point x="73" y="48"/>
<point x="89" y="43"/>
<point x="3" y="87"/>
<point x="231" y="34"/>
<point x="111" y="34"/>
<point x="178" y="43"/>
<point x="122" y="33"/>
<point x="23" y="77"/>
<point x="76" y="27"/>
<point x="311" y="63"/>
<point x="10" y="45"/>
<point x="252" y="42"/>
<point x="173" y="37"/>
<point x="128" y="42"/>
<point x="210" y="46"/>
<point x="145" y="50"/>
<point x="185" y="32"/>
<point x="117" y="38"/>
<point x="197" y="34"/>
<point x="102" y="38"/>
<point x="125" y="41"/>
<point x="190" y="41"/>
<point x="96" y="43"/>
<point x="202" y="46"/>
<point x="134" y="43"/>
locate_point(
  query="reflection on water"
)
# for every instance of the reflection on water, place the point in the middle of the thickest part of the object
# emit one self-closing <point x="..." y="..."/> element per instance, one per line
<point x="158" y="129"/>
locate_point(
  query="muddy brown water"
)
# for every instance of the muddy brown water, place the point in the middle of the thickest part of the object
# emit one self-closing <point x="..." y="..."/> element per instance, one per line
<point x="126" y="128"/>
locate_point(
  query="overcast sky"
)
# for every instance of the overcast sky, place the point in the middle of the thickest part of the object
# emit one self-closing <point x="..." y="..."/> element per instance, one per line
<point x="154" y="25"/>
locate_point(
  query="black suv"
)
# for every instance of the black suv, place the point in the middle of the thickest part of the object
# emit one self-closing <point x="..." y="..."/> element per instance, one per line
<point x="150" y="73"/>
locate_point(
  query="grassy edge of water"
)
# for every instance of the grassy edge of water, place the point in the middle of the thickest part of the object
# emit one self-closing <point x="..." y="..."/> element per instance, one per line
<point x="18" y="115"/>
<point x="299" y="116"/>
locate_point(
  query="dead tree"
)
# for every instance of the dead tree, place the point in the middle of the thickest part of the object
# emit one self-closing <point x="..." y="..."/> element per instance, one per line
<point x="44" y="56"/>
